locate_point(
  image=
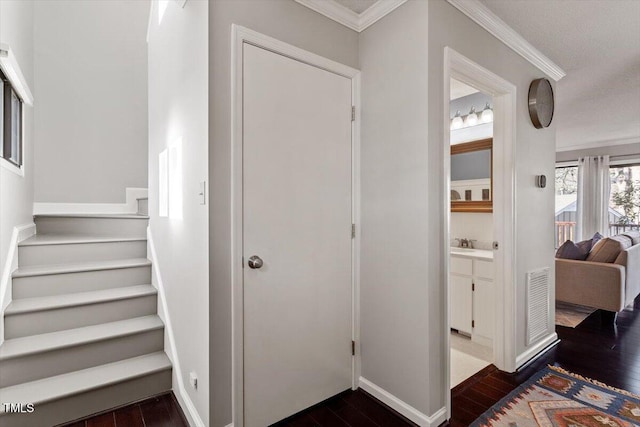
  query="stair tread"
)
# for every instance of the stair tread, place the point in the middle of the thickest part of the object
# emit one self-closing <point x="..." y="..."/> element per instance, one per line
<point x="113" y="216"/>
<point x="26" y="305"/>
<point x="67" y="239"/>
<point x="60" y="386"/>
<point x="46" y="269"/>
<point x="18" y="347"/>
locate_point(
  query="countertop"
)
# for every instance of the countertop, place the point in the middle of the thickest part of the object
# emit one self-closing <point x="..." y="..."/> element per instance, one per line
<point x="481" y="254"/>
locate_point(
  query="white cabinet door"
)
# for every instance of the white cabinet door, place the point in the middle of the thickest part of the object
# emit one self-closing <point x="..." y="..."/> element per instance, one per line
<point x="461" y="303"/>
<point x="483" y="303"/>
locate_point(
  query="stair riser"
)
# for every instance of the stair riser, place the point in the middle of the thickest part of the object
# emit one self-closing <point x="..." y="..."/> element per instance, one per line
<point x="130" y="227"/>
<point x="42" y="365"/>
<point x="84" y="404"/>
<point x="73" y="253"/>
<point x="20" y="325"/>
<point x="86" y="281"/>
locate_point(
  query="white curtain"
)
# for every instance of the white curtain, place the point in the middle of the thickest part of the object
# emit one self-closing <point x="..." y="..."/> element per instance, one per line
<point x="594" y="186"/>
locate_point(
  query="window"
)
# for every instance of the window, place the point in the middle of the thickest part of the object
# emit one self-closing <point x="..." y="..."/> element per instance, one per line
<point x="624" y="200"/>
<point x="566" y="202"/>
<point x="10" y="123"/>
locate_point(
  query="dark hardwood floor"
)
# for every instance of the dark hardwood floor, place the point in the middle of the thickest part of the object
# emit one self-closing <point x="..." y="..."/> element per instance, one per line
<point x="603" y="352"/>
<point x="350" y="408"/>
<point x="159" y="411"/>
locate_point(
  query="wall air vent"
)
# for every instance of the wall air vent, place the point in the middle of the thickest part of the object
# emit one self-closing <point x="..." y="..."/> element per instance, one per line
<point x="537" y="304"/>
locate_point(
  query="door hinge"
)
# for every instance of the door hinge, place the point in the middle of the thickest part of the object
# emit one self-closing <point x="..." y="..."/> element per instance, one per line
<point x="242" y="262"/>
<point x="353" y="348"/>
<point x="353" y="113"/>
<point x="473" y="324"/>
<point x="473" y="287"/>
<point x="353" y="231"/>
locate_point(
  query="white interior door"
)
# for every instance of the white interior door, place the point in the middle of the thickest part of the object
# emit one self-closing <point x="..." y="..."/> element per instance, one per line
<point x="297" y="219"/>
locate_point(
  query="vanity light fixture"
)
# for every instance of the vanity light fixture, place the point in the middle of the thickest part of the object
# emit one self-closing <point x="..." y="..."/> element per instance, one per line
<point x="456" y="122"/>
<point x="487" y="114"/>
<point x="472" y="118"/>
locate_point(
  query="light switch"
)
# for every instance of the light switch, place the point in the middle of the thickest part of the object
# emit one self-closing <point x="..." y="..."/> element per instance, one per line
<point x="202" y="192"/>
<point x="193" y="380"/>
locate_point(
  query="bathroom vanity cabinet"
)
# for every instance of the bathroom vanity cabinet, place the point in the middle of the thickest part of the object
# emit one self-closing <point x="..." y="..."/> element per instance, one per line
<point x="472" y="294"/>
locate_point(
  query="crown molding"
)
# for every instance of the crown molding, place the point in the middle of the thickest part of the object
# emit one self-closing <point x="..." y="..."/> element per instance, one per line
<point x="488" y="20"/>
<point x="347" y="17"/>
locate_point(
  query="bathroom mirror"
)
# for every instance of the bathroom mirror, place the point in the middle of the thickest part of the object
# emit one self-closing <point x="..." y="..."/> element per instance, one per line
<point x="472" y="176"/>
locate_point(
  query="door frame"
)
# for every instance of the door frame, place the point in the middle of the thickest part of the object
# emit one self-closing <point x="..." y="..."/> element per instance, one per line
<point x="463" y="69"/>
<point x="239" y="36"/>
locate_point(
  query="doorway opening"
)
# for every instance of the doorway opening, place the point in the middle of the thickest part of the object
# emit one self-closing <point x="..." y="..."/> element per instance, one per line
<point x="471" y="289"/>
<point x="502" y="198"/>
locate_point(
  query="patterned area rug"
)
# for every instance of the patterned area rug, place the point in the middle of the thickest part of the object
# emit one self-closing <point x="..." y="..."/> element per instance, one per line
<point x="556" y="398"/>
<point x="571" y="315"/>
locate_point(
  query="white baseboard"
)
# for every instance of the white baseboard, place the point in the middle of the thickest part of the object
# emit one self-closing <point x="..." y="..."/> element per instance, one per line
<point x="535" y="349"/>
<point x="193" y="417"/>
<point x="20" y="233"/>
<point x="403" y="408"/>
<point x="129" y="207"/>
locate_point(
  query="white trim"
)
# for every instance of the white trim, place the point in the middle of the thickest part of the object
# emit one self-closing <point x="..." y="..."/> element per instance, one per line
<point x="239" y="36"/>
<point x="488" y="20"/>
<point x="376" y="12"/>
<point x="347" y="17"/>
<point x="170" y="343"/>
<point x="600" y="144"/>
<point x="5" y="164"/>
<point x="11" y="69"/>
<point x="402" y="407"/>
<point x="627" y="160"/>
<point x="129" y="207"/>
<point x="504" y="199"/>
<point x="20" y="233"/>
<point x="567" y="164"/>
<point x="532" y="351"/>
<point x="356" y="209"/>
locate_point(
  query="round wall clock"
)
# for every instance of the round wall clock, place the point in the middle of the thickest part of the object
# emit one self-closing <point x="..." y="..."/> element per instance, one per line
<point x="541" y="103"/>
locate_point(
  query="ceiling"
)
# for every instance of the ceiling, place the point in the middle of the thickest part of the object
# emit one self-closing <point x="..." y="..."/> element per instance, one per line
<point x="358" y="6"/>
<point x="597" y="43"/>
<point x="459" y="89"/>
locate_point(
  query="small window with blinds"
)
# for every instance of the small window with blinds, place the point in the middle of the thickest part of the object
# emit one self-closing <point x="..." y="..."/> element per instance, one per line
<point x="10" y="123"/>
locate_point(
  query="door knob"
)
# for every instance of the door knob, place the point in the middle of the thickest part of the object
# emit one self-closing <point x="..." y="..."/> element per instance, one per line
<point x="255" y="262"/>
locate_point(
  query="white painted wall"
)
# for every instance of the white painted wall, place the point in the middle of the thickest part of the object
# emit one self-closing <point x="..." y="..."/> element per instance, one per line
<point x="535" y="155"/>
<point x="178" y="110"/>
<point x="289" y="22"/>
<point x="399" y="231"/>
<point x="619" y="151"/>
<point x="16" y="189"/>
<point x="91" y="114"/>
<point x="472" y="225"/>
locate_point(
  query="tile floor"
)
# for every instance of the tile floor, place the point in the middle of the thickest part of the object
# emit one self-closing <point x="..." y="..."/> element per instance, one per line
<point x="467" y="358"/>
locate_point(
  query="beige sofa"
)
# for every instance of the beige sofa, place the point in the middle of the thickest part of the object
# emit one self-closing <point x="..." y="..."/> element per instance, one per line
<point x="609" y="279"/>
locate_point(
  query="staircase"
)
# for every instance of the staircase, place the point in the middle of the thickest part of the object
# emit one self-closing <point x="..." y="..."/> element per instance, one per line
<point x="82" y="333"/>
